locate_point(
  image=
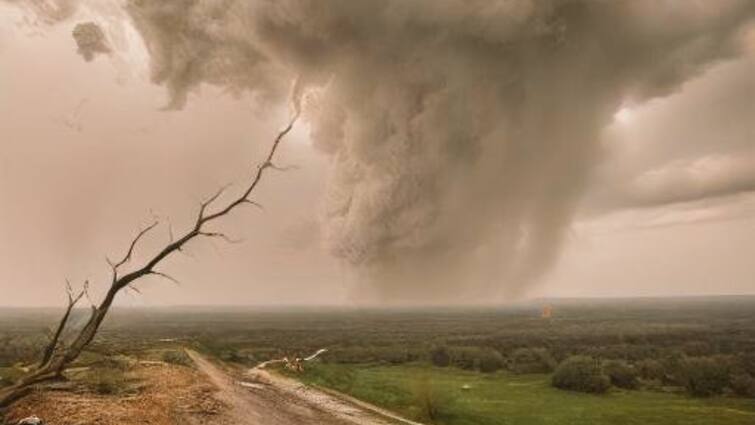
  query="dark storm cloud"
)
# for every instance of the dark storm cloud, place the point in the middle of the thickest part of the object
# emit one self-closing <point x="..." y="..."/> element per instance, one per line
<point x="462" y="134"/>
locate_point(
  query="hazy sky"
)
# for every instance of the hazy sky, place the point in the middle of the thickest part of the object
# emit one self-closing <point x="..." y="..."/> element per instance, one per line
<point x="642" y="183"/>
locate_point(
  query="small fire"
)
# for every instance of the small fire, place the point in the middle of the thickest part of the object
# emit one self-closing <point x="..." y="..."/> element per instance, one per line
<point x="547" y="312"/>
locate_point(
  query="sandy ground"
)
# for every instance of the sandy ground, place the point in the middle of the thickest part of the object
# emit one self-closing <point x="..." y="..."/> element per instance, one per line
<point x="171" y="395"/>
<point x="207" y="395"/>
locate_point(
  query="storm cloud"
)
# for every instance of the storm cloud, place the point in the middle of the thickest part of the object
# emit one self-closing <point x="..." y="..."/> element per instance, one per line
<point x="462" y="134"/>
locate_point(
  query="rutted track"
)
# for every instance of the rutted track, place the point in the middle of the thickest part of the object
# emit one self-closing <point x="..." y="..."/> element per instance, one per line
<point x="272" y="400"/>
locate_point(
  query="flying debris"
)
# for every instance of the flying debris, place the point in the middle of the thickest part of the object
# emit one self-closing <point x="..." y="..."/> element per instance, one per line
<point x="91" y="40"/>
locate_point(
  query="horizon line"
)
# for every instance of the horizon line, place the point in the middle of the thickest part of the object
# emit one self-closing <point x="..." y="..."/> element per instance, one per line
<point x="394" y="305"/>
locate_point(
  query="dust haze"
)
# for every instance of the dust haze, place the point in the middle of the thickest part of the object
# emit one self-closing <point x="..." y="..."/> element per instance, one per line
<point x="462" y="137"/>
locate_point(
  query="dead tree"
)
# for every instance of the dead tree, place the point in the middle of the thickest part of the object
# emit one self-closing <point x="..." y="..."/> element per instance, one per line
<point x="55" y="338"/>
<point x="60" y="356"/>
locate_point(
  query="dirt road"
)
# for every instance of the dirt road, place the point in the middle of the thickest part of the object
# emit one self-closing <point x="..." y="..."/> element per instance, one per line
<point x="266" y="399"/>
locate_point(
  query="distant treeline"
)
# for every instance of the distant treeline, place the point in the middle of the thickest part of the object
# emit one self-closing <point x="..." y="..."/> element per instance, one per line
<point x="705" y="346"/>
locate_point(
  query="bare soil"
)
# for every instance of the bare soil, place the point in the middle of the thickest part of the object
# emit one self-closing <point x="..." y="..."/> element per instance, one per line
<point x="263" y="398"/>
<point x="169" y="395"/>
<point x="207" y="395"/>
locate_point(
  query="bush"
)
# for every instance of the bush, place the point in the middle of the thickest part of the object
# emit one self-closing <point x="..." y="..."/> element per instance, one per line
<point x="743" y="385"/>
<point x="581" y="373"/>
<point x="621" y="374"/>
<point x="106" y="381"/>
<point x="177" y="357"/>
<point x="651" y="370"/>
<point x="9" y="375"/>
<point x="473" y="358"/>
<point x="531" y="360"/>
<point x="706" y="376"/>
<point x="675" y="369"/>
<point x="490" y="361"/>
<point x="434" y="405"/>
<point x="747" y="362"/>
<point x="392" y="354"/>
<point x="440" y="357"/>
<point x="465" y="357"/>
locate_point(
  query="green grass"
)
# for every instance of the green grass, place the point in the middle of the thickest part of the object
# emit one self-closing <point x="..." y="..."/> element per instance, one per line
<point x="9" y="375"/>
<point x="503" y="398"/>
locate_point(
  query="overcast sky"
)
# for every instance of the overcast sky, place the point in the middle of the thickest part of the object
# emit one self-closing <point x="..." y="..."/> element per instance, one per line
<point x="92" y="150"/>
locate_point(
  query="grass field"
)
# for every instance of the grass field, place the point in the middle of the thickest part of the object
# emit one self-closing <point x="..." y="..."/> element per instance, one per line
<point x="504" y="398"/>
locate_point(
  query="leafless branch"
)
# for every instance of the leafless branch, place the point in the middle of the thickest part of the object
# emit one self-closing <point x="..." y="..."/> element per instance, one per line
<point x="222" y="236"/>
<point x="55" y="341"/>
<point x="282" y="168"/>
<point x="130" y="252"/>
<point x="165" y="276"/>
<point x="253" y="203"/>
<point x="54" y="365"/>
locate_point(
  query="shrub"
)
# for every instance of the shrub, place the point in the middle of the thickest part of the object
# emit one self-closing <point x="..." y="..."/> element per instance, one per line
<point x="434" y="405"/>
<point x="743" y="385"/>
<point x="675" y="369"/>
<point x="651" y="370"/>
<point x="581" y="373"/>
<point x="106" y="381"/>
<point x="531" y="360"/>
<point x="706" y="376"/>
<point x="747" y="362"/>
<point x="490" y="361"/>
<point x="621" y="374"/>
<point x="465" y="357"/>
<point x="440" y="357"/>
<point x="176" y="357"/>
<point x="392" y="354"/>
<point x="9" y="375"/>
<point x="697" y="348"/>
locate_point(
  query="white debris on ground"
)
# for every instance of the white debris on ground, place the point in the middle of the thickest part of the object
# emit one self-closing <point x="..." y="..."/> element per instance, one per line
<point x="314" y="356"/>
<point x="31" y="420"/>
<point x="252" y="385"/>
<point x="295" y="363"/>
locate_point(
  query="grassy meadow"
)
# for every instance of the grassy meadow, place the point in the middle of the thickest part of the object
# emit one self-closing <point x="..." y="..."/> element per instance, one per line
<point x="469" y="398"/>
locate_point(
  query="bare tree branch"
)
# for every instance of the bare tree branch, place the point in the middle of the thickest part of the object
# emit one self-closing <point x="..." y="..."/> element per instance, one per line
<point x="282" y="168"/>
<point x="165" y="276"/>
<point x="222" y="236"/>
<point x="130" y="252"/>
<point x="256" y="204"/>
<point x="54" y="342"/>
<point x="206" y="203"/>
<point x="54" y="366"/>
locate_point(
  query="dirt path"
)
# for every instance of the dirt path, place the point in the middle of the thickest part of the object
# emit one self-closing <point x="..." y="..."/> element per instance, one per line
<point x="266" y="399"/>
